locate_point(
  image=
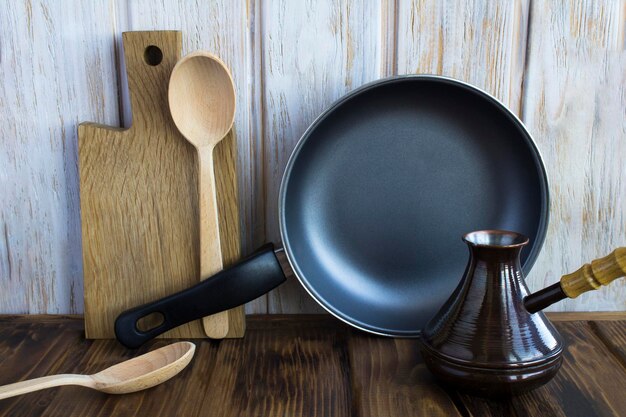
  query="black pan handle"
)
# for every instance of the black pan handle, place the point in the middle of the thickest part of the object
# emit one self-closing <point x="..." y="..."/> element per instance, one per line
<point x="232" y="287"/>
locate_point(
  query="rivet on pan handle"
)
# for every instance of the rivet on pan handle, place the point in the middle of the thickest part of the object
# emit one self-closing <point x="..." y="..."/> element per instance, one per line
<point x="254" y="276"/>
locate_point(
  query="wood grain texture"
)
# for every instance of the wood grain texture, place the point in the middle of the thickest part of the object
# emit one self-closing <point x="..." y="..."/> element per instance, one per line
<point x="559" y="66"/>
<point x="594" y="316"/>
<point x="574" y="106"/>
<point x="223" y="28"/>
<point x="390" y="379"/>
<point x="299" y="365"/>
<point x="226" y="175"/>
<point x="591" y="381"/>
<point x="589" y="384"/>
<point x="90" y="357"/>
<point x="593" y="275"/>
<point x="139" y="202"/>
<point x="480" y="42"/>
<point x="39" y="349"/>
<point x="283" y="368"/>
<point x="54" y="75"/>
<point x="142" y="372"/>
<point x="201" y="98"/>
<point x="313" y="53"/>
<point x="614" y="337"/>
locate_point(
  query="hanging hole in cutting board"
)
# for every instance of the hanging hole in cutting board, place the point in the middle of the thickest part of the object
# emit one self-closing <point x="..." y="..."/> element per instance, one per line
<point x="151" y="321"/>
<point x="153" y="55"/>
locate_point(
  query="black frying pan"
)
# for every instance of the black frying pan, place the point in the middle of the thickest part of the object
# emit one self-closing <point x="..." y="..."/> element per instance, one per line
<point x="373" y="202"/>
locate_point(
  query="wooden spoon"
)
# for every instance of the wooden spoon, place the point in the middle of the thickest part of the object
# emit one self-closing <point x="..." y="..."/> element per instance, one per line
<point x="202" y="102"/>
<point x="136" y="374"/>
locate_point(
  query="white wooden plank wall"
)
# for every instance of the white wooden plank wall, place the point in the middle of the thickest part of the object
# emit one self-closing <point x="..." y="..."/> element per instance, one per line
<point x="574" y="105"/>
<point x="313" y="52"/>
<point x="561" y="66"/>
<point x="57" y="68"/>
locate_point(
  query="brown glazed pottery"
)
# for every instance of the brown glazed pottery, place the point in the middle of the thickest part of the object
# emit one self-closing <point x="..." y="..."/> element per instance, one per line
<point x="483" y="340"/>
<point x="489" y="338"/>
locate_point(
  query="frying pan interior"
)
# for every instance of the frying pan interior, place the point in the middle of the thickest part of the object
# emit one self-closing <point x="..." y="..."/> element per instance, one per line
<point x="380" y="189"/>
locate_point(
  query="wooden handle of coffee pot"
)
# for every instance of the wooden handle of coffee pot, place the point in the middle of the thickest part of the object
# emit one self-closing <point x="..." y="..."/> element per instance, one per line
<point x="593" y="275"/>
<point x="589" y="277"/>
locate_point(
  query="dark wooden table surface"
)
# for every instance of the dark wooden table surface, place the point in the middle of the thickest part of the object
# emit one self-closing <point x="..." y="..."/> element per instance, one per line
<point x="304" y="366"/>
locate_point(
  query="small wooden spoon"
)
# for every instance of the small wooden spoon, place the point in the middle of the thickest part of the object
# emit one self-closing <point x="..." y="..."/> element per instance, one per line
<point x="135" y="374"/>
<point x="202" y="102"/>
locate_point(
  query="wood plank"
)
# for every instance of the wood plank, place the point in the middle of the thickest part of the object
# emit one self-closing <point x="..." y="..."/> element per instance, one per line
<point x="82" y="357"/>
<point x="101" y="354"/>
<point x="300" y="365"/>
<point x="574" y="106"/>
<point x="69" y="352"/>
<point x="586" y="316"/>
<point x="389" y="36"/>
<point x="498" y="407"/>
<point x="11" y="319"/>
<point x="231" y="156"/>
<point x="389" y="378"/>
<point x="313" y="53"/>
<point x="226" y="178"/>
<point x="482" y="43"/>
<point x="572" y="89"/>
<point x="281" y="368"/>
<point x="254" y="318"/>
<point x="613" y="335"/>
<point x="219" y="27"/>
<point x="30" y="350"/>
<point x="139" y="198"/>
<point x="591" y="382"/>
<point x="222" y="28"/>
<point x="54" y="75"/>
<point x="27" y="348"/>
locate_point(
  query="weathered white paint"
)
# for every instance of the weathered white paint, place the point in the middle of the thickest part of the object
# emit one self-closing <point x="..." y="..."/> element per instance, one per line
<point x="313" y="52"/>
<point x="480" y="42"/>
<point x="291" y="59"/>
<point x="575" y="107"/>
<point x="57" y="65"/>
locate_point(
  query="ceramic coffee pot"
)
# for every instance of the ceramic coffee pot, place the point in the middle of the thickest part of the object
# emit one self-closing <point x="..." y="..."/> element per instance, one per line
<point x="490" y="338"/>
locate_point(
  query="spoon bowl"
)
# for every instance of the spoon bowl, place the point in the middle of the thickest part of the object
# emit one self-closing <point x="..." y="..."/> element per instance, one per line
<point x="133" y="375"/>
<point x="145" y="371"/>
<point x="202" y="99"/>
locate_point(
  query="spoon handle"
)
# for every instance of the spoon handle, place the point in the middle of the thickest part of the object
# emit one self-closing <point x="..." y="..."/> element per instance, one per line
<point x="215" y="326"/>
<point x="23" y="387"/>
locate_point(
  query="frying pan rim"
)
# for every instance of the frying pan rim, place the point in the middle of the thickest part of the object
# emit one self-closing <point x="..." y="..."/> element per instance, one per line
<point x="538" y="157"/>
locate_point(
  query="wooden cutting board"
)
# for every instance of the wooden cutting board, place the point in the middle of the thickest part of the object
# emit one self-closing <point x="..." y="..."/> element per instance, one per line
<point x="139" y="199"/>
